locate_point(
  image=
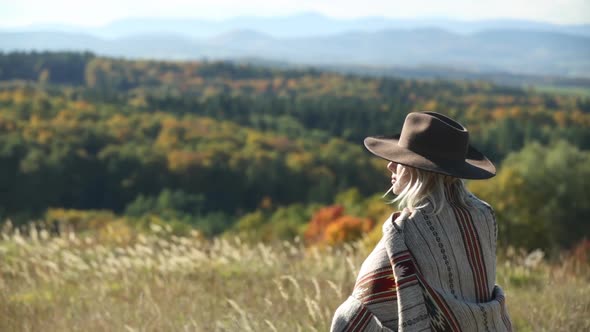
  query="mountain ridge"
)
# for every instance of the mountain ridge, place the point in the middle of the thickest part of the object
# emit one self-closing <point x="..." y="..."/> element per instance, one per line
<point x="506" y="50"/>
<point x="304" y="24"/>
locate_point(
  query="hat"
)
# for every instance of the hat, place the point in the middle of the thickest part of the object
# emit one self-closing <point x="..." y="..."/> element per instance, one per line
<point x="433" y="142"/>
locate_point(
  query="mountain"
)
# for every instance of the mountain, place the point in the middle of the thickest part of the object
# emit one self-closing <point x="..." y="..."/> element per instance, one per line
<point x="300" y="25"/>
<point x="51" y="41"/>
<point x="504" y="50"/>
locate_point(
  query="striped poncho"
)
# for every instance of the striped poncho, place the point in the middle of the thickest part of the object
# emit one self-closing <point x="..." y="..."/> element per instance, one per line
<point x="430" y="273"/>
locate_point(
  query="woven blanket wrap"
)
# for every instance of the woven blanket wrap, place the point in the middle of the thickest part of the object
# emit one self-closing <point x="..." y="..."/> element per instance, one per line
<point x="430" y="273"/>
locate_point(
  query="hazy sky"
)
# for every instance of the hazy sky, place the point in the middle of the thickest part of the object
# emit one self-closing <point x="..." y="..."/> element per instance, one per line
<point x="98" y="12"/>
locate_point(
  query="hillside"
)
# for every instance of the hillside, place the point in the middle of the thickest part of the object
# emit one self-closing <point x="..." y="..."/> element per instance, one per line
<point x="216" y="145"/>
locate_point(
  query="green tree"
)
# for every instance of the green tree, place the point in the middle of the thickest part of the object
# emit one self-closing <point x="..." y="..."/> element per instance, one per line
<point x="541" y="196"/>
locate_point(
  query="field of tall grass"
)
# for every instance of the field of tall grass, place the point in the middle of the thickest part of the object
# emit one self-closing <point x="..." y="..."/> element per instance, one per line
<point x="105" y="281"/>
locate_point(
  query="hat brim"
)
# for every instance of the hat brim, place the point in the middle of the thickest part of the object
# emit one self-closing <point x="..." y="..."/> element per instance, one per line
<point x="475" y="165"/>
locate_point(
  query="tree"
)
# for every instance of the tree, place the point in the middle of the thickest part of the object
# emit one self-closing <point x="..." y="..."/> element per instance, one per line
<point x="329" y="225"/>
<point x="541" y="196"/>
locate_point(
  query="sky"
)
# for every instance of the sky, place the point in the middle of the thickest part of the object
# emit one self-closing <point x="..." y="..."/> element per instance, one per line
<point x="14" y="13"/>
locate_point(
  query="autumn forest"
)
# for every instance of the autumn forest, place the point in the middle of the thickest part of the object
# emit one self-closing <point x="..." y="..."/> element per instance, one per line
<point x="269" y="154"/>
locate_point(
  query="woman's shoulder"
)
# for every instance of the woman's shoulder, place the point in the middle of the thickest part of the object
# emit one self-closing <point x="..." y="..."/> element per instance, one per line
<point x="471" y="196"/>
<point x="470" y="201"/>
<point x="479" y="203"/>
<point x="398" y="219"/>
<point x="394" y="223"/>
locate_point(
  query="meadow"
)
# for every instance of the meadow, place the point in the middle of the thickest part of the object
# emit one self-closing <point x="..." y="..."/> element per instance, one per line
<point x="119" y="280"/>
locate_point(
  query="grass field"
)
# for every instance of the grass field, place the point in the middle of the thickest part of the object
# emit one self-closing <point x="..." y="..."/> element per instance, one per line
<point x="161" y="282"/>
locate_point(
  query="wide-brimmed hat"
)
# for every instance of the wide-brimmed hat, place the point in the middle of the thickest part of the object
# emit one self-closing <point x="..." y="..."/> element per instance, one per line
<point x="433" y="142"/>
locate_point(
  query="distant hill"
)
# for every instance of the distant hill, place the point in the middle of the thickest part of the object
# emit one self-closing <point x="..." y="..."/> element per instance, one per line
<point x="504" y="50"/>
<point x="301" y="25"/>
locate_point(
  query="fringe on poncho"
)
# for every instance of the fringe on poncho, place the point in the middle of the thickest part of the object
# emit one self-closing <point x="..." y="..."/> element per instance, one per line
<point x="430" y="273"/>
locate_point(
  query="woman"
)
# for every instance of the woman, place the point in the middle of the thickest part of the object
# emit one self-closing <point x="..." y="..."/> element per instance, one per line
<point x="434" y="269"/>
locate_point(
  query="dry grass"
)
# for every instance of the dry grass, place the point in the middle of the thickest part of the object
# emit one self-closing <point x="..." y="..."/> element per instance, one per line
<point x="160" y="282"/>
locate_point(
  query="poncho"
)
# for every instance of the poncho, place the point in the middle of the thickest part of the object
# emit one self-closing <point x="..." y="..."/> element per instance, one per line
<point x="430" y="273"/>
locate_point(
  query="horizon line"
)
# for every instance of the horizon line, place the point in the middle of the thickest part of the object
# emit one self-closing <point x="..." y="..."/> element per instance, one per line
<point x="286" y="16"/>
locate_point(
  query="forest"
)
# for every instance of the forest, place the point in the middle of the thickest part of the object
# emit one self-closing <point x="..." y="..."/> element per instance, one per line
<point x="267" y="154"/>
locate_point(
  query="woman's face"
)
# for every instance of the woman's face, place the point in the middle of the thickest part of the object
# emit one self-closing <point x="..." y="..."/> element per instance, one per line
<point x="399" y="177"/>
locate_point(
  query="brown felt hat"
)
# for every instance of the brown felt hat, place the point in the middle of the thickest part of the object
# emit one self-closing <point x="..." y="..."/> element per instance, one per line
<point x="433" y="142"/>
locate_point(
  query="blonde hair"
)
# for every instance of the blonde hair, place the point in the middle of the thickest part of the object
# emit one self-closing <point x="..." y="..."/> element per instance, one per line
<point x="431" y="189"/>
